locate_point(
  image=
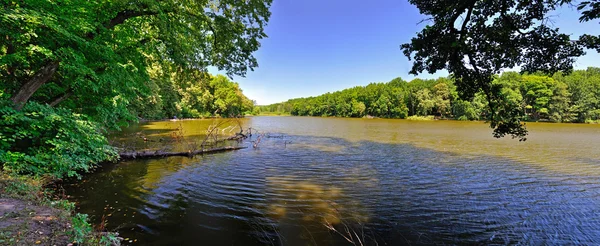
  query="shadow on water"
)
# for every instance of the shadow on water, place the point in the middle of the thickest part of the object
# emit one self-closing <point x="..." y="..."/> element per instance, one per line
<point x="306" y="190"/>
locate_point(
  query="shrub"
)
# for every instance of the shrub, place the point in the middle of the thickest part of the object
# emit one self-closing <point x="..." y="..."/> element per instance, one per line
<point x="421" y="118"/>
<point x="464" y="110"/>
<point x="42" y="140"/>
<point x="463" y="118"/>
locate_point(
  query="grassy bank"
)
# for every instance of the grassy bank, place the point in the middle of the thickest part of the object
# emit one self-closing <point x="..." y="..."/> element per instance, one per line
<point x="421" y="118"/>
<point x="273" y="114"/>
<point x="31" y="214"/>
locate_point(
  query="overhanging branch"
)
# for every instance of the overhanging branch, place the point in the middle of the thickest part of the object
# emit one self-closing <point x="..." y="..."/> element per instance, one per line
<point x="125" y="15"/>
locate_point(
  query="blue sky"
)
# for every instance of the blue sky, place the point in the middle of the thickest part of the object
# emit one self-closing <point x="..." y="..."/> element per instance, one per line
<point x="319" y="46"/>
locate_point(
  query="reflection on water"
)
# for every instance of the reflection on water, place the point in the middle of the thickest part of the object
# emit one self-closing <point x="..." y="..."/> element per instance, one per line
<point x="327" y="181"/>
<point x="315" y="203"/>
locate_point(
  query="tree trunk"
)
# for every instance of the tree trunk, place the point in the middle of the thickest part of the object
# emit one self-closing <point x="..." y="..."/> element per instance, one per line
<point x="160" y="154"/>
<point x="61" y="98"/>
<point x="31" y="86"/>
<point x="10" y="49"/>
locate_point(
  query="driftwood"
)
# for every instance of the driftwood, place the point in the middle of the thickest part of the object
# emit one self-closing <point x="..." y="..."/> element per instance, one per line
<point x="160" y="154"/>
<point x="212" y="139"/>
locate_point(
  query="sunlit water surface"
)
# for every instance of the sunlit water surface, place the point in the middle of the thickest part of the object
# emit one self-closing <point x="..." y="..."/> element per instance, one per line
<point x="333" y="181"/>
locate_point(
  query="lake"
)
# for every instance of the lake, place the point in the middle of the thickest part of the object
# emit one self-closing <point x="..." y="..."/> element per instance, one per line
<point x="339" y="181"/>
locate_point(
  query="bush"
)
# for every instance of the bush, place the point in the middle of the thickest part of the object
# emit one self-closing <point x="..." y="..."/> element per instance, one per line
<point x="421" y="118"/>
<point x="41" y="140"/>
<point x="464" y="110"/>
<point x="463" y="118"/>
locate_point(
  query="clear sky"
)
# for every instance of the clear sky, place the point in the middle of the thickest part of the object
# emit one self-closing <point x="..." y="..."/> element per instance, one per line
<point x="319" y="46"/>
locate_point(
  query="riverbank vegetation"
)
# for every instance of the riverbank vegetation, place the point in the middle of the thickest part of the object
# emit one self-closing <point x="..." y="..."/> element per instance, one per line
<point x="476" y="40"/>
<point x="573" y="97"/>
<point x="71" y="71"/>
<point x="32" y="215"/>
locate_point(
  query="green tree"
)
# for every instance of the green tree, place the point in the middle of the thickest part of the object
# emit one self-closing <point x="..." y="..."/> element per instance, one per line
<point x="425" y="102"/>
<point x="99" y="51"/>
<point x="537" y="93"/>
<point x="559" y="106"/>
<point x="441" y="99"/>
<point x="584" y="87"/>
<point x="358" y="109"/>
<point x="475" y="40"/>
<point x="464" y="110"/>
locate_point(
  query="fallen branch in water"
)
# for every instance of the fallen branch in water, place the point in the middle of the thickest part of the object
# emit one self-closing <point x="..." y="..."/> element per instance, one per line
<point x="257" y="141"/>
<point x="160" y="154"/>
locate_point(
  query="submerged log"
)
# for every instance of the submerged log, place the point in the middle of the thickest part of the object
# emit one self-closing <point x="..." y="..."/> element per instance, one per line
<point x="161" y="154"/>
<point x="237" y="136"/>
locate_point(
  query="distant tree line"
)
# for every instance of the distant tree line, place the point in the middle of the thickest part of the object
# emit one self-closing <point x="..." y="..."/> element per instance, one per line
<point x="561" y="98"/>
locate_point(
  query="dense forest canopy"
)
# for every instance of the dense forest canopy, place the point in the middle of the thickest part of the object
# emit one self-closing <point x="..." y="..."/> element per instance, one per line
<point x="69" y="69"/>
<point x="94" y="57"/>
<point x="574" y="97"/>
<point x="475" y="40"/>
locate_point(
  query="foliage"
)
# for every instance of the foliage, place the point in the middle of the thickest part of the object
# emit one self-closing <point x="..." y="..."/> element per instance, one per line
<point x="475" y="40"/>
<point x="83" y="233"/>
<point x="421" y="118"/>
<point x="20" y="187"/>
<point x="73" y="67"/>
<point x="530" y="97"/>
<point x="81" y="228"/>
<point x="41" y="140"/>
<point x="31" y="190"/>
<point x="464" y="110"/>
<point x="191" y="94"/>
<point x="101" y="52"/>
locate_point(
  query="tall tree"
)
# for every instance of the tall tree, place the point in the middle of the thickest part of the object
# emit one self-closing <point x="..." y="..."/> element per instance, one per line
<point x="99" y="51"/>
<point x="476" y="39"/>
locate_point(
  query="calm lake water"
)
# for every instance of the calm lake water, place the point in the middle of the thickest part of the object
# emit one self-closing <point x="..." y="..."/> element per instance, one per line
<point x="329" y="181"/>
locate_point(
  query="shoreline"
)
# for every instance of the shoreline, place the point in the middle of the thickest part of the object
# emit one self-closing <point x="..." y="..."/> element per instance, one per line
<point x="32" y="214"/>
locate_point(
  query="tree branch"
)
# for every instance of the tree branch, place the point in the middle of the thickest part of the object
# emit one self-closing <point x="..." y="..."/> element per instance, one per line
<point x="512" y="24"/>
<point x="55" y="101"/>
<point x="460" y="10"/>
<point x="10" y="49"/>
<point x="33" y="84"/>
<point x="209" y="23"/>
<point x="125" y="15"/>
<point x="464" y="24"/>
<point x="486" y="90"/>
<point x="120" y="18"/>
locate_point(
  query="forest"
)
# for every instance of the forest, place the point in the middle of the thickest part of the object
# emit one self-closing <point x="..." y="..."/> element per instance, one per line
<point x="573" y="97"/>
<point x="72" y="71"/>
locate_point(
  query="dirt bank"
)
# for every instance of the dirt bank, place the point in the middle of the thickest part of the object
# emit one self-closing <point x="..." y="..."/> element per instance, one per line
<point x="23" y="223"/>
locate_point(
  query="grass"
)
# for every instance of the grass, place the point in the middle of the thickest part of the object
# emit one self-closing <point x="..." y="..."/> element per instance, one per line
<point x="421" y="118"/>
<point x="273" y="114"/>
<point x="30" y="215"/>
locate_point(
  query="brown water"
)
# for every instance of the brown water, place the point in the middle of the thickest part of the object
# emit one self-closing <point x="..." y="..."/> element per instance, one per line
<point x="328" y="181"/>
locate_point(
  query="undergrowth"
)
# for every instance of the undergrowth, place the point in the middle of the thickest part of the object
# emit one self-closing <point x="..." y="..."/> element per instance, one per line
<point x="32" y="191"/>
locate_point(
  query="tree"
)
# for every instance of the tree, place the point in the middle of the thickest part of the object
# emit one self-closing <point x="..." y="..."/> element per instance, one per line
<point x="561" y="98"/>
<point x="584" y="90"/>
<point x="358" y="108"/>
<point x="99" y="51"/>
<point x="559" y="108"/>
<point x="441" y="99"/>
<point x="425" y="103"/>
<point x="464" y="110"/>
<point x="537" y="93"/>
<point x="475" y="40"/>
